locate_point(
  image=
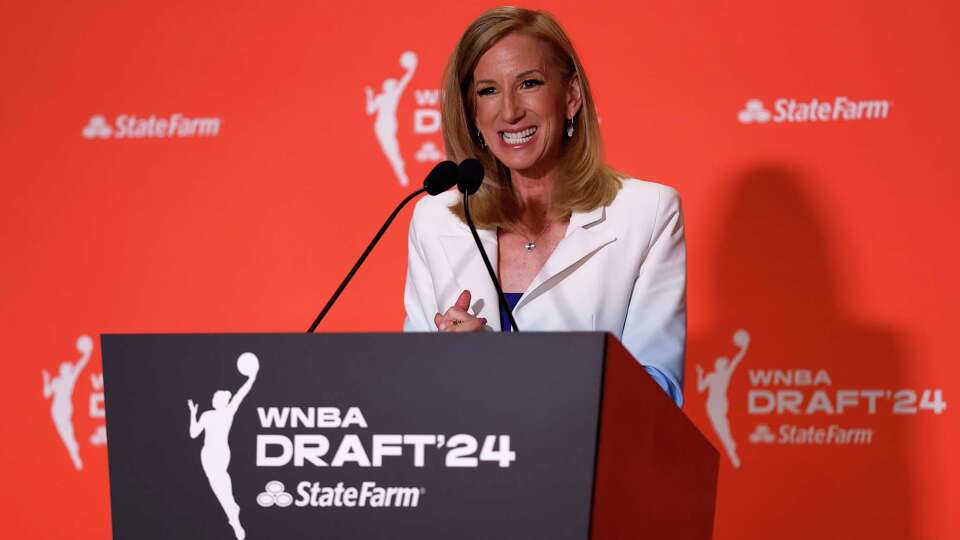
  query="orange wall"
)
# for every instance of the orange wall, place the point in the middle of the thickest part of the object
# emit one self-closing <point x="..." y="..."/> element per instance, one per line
<point x="832" y="243"/>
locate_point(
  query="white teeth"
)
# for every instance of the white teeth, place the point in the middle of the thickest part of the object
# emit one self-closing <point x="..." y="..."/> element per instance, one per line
<point x="518" y="137"/>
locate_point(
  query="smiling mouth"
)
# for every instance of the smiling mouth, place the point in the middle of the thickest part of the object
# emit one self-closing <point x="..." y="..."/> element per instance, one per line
<point x="518" y="137"/>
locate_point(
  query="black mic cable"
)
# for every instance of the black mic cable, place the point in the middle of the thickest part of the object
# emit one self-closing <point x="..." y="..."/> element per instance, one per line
<point x="441" y="178"/>
<point x="469" y="177"/>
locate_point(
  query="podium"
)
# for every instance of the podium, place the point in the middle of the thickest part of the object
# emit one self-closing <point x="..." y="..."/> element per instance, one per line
<point x="387" y="436"/>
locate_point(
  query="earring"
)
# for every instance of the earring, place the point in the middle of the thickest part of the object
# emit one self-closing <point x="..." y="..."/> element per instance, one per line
<point x="569" y="127"/>
<point x="483" y="144"/>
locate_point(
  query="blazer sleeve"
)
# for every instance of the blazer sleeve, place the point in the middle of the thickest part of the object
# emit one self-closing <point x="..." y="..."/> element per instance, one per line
<point x="419" y="301"/>
<point x="655" y="328"/>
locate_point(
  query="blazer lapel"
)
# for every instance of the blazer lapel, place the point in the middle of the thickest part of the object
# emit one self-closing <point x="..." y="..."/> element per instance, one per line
<point x="582" y="240"/>
<point x="470" y="272"/>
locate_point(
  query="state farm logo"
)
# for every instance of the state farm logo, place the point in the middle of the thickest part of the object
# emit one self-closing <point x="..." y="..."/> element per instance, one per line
<point x="754" y="111"/>
<point x="762" y="435"/>
<point x="275" y="495"/>
<point x="789" y="110"/>
<point x="366" y="495"/>
<point x="128" y="126"/>
<point x="383" y="105"/>
<point x="97" y="128"/>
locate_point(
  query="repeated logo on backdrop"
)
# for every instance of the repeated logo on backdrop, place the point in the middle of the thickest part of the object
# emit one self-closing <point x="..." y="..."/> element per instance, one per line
<point x="59" y="389"/>
<point x="716" y="384"/>
<point x="129" y="126"/>
<point x="801" y="406"/>
<point x="383" y="105"/>
<point x="790" y="110"/>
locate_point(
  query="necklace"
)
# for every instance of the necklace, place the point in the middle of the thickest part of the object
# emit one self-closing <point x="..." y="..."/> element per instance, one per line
<point x="532" y="242"/>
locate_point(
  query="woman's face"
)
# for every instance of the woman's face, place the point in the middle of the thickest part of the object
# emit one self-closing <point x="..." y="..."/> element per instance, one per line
<point x="522" y="103"/>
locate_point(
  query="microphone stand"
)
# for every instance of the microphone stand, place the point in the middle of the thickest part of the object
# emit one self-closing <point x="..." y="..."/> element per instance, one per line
<point x="486" y="261"/>
<point x="366" y="252"/>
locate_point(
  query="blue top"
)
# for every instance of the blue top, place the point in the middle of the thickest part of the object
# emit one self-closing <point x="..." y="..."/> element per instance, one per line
<point x="513" y="298"/>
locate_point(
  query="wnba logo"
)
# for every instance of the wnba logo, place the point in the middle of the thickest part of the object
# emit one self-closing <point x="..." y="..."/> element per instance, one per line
<point x="384" y="104"/>
<point x="717" y="385"/>
<point x="59" y="389"/>
<point x="215" y="426"/>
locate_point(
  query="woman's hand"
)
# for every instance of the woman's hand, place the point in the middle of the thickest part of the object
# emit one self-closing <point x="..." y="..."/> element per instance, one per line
<point x="458" y="319"/>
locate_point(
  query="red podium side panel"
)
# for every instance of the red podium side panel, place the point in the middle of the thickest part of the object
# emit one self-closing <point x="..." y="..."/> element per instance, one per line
<point x="656" y="473"/>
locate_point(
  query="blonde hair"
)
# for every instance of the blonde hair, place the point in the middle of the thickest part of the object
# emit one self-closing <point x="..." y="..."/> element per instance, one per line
<point x="585" y="182"/>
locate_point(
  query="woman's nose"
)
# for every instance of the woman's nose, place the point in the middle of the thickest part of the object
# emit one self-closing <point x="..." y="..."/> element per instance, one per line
<point x="510" y="108"/>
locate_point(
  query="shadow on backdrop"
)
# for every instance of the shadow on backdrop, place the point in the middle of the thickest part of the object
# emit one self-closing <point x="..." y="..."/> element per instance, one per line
<point x="775" y="273"/>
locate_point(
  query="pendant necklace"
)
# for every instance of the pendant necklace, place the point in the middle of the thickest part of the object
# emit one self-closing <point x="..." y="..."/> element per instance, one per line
<point x="532" y="243"/>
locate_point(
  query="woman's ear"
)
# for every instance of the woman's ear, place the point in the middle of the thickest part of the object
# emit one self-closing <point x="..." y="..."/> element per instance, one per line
<point x="574" y="96"/>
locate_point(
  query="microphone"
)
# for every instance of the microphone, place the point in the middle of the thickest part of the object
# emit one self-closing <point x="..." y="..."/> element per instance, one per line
<point x="469" y="177"/>
<point x="442" y="177"/>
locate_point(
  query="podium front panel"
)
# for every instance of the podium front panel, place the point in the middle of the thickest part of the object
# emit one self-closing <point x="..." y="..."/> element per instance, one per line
<point x="360" y="436"/>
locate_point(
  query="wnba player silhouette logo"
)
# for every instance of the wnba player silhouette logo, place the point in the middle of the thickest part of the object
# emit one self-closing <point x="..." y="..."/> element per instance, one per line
<point x="716" y="383"/>
<point x="60" y="388"/>
<point x="215" y="424"/>
<point x="384" y="105"/>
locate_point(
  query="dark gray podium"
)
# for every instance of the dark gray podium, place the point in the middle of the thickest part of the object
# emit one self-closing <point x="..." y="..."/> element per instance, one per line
<point x="388" y="436"/>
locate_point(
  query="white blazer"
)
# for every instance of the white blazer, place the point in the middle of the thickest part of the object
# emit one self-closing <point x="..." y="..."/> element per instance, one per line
<point x="619" y="269"/>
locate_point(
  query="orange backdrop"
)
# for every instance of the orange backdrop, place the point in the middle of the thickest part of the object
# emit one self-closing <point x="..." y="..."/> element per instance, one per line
<point x="823" y="230"/>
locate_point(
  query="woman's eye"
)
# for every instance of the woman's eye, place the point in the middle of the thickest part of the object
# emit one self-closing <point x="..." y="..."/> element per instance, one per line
<point x="485" y="91"/>
<point x="530" y="83"/>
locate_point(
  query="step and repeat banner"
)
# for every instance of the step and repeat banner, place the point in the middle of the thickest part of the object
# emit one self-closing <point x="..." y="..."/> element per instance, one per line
<point x="218" y="166"/>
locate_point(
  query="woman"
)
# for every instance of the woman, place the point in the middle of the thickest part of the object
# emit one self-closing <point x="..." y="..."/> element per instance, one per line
<point x="577" y="245"/>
